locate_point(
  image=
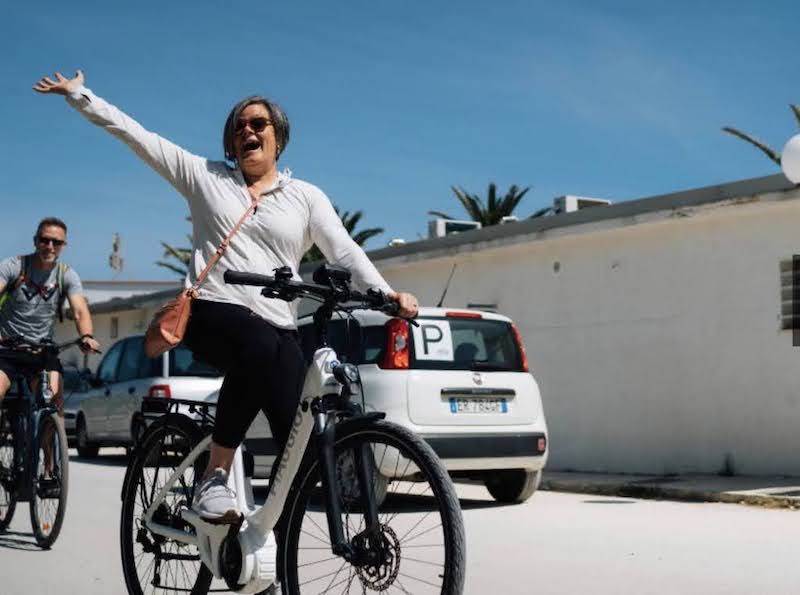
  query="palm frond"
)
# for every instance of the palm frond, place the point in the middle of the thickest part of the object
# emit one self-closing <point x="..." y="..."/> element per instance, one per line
<point x="796" y="111"/>
<point x="168" y="265"/>
<point x="440" y="215"/>
<point x="471" y="203"/>
<point x="365" y="234"/>
<point x="183" y="255"/>
<point x="768" y="151"/>
<point x="541" y="212"/>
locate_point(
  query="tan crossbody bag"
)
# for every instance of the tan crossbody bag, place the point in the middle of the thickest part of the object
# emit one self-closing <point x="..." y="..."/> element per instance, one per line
<point x="168" y="326"/>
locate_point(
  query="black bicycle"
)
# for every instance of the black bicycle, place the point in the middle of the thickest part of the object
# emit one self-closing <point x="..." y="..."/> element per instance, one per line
<point x="34" y="461"/>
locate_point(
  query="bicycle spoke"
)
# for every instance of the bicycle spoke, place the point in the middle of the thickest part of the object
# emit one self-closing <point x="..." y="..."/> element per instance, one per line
<point x="405" y="553"/>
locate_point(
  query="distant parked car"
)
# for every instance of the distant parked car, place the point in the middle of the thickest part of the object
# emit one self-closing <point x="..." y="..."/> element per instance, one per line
<point x="77" y="384"/>
<point x="461" y="381"/>
<point x="110" y="413"/>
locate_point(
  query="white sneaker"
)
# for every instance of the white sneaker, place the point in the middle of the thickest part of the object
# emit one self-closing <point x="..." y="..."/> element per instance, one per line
<point x="214" y="501"/>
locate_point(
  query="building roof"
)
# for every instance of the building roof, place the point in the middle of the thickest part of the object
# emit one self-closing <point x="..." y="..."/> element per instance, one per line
<point x="663" y="202"/>
<point x="132" y="303"/>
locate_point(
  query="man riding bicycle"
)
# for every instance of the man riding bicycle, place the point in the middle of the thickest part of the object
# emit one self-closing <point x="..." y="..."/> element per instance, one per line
<point x="33" y="289"/>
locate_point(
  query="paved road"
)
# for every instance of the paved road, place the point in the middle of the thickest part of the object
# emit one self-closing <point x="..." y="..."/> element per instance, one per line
<point x="555" y="543"/>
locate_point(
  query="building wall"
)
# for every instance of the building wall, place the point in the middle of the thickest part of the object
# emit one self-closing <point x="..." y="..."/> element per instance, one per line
<point x="656" y="340"/>
<point x="657" y="345"/>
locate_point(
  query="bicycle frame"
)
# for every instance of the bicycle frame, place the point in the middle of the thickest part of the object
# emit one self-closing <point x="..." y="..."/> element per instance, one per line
<point x="25" y="423"/>
<point x="258" y="556"/>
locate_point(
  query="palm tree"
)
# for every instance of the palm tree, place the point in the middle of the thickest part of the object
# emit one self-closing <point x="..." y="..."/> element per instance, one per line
<point x="764" y="148"/>
<point x="350" y="221"/>
<point x="493" y="211"/>
<point x="181" y="257"/>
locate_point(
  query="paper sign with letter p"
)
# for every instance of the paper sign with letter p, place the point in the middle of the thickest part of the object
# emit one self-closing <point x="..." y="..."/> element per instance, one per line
<point x="433" y="341"/>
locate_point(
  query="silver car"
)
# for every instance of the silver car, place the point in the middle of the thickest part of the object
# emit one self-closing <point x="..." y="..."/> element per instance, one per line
<point x="111" y="412"/>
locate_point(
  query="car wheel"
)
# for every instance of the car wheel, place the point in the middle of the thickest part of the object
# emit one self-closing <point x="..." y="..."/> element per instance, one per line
<point x="86" y="449"/>
<point x="138" y="429"/>
<point x="513" y="486"/>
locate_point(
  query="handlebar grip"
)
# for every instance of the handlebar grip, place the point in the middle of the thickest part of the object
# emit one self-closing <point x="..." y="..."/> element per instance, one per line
<point x="391" y="308"/>
<point x="239" y="278"/>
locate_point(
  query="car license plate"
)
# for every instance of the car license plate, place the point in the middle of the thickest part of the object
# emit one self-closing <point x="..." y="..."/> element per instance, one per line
<point x="478" y="405"/>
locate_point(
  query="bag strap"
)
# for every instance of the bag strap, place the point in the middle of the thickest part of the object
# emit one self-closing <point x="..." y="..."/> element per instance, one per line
<point x="224" y="245"/>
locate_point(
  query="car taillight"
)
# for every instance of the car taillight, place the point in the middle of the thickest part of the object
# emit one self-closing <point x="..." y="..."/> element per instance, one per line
<point x="541" y="444"/>
<point x="397" y="348"/>
<point x="522" y="355"/>
<point x="454" y="314"/>
<point x="160" y="390"/>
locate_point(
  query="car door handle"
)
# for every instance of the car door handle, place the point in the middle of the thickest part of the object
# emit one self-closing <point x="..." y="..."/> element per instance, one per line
<point x="131" y="390"/>
<point x="107" y="392"/>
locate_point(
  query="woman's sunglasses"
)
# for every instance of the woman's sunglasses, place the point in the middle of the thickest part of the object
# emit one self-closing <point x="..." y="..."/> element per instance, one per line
<point x="44" y="241"/>
<point x="256" y="124"/>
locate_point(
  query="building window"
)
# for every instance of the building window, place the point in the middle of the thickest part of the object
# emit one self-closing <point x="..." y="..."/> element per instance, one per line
<point x="114" y="327"/>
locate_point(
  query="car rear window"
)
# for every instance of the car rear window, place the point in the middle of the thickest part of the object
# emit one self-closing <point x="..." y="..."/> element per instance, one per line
<point x="464" y="344"/>
<point x="181" y="363"/>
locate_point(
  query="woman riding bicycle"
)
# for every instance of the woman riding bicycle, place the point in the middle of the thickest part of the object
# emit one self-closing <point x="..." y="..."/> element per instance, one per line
<point x="250" y="338"/>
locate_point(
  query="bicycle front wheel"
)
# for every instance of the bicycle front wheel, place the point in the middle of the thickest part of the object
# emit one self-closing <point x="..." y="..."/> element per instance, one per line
<point x="419" y="544"/>
<point x="50" y="482"/>
<point x="152" y="563"/>
<point x="8" y="483"/>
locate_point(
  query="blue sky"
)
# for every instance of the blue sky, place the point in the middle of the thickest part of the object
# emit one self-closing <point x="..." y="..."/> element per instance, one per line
<point x="390" y="103"/>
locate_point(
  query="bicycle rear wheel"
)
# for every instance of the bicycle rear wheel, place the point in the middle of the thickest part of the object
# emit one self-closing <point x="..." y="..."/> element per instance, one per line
<point x="420" y="544"/>
<point x="152" y="563"/>
<point x="50" y="482"/>
<point x="8" y="489"/>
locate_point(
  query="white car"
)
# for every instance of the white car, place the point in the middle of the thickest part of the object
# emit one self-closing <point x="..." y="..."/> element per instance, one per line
<point x="460" y="380"/>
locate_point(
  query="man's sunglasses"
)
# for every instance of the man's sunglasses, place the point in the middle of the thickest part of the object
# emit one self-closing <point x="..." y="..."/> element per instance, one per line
<point x="44" y="241"/>
<point x="256" y="124"/>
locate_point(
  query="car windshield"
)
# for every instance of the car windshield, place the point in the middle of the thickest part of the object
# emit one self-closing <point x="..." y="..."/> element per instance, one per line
<point x="464" y="344"/>
<point x="182" y="363"/>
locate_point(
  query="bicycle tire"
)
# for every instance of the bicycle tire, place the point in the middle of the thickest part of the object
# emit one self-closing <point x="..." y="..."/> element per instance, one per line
<point x="8" y="491"/>
<point x="48" y="503"/>
<point x="162" y="450"/>
<point x="404" y="502"/>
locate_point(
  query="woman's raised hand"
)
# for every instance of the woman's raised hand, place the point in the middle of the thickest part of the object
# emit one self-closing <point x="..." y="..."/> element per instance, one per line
<point x="60" y="86"/>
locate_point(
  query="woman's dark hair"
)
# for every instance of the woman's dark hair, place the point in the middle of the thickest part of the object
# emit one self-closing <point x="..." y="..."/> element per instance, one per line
<point x="280" y="123"/>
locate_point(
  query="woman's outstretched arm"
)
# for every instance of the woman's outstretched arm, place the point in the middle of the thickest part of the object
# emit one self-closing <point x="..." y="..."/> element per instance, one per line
<point x="178" y="166"/>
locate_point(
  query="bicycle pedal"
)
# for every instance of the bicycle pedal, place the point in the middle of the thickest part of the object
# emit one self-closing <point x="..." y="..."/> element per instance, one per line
<point x="48" y="488"/>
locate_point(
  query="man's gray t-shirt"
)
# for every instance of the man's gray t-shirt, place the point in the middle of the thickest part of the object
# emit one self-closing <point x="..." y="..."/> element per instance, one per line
<point x="30" y="310"/>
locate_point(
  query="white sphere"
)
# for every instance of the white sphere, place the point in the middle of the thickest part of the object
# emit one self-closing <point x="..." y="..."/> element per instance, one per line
<point x="790" y="159"/>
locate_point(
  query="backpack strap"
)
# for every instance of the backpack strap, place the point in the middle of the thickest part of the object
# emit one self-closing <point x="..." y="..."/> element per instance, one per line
<point x="25" y="266"/>
<point x="62" y="296"/>
<point x="14" y="285"/>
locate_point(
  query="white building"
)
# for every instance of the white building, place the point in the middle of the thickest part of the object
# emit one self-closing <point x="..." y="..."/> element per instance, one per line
<point x="653" y="326"/>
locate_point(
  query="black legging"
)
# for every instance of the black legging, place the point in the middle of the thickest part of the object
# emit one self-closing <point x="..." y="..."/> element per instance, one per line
<point x="263" y="365"/>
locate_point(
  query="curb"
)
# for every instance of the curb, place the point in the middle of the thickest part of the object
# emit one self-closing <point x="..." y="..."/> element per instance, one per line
<point x="657" y="492"/>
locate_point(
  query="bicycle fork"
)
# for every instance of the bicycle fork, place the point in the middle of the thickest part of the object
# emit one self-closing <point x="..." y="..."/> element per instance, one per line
<point x="356" y="550"/>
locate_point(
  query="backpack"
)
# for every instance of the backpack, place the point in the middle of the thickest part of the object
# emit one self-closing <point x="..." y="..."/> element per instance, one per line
<point x="23" y="276"/>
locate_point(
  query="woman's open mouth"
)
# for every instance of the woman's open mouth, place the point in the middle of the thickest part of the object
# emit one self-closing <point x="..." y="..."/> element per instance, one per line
<point x="251" y="145"/>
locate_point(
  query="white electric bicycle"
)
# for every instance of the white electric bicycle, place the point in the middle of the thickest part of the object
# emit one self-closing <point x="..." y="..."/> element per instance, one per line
<point x="355" y="504"/>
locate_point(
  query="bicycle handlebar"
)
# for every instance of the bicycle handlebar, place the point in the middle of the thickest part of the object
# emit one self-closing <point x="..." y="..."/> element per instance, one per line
<point x="288" y="289"/>
<point x="22" y="344"/>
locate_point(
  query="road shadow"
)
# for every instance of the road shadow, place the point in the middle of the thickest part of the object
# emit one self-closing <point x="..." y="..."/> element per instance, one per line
<point x="395" y="502"/>
<point x="102" y="460"/>
<point x="609" y="501"/>
<point x="16" y="540"/>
